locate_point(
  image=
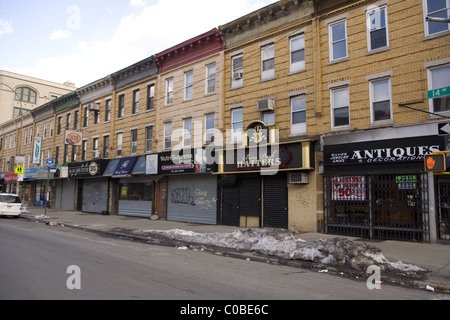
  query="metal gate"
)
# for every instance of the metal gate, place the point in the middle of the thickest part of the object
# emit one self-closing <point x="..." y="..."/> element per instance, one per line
<point x="443" y="203"/>
<point x="383" y="206"/>
<point x="275" y="202"/>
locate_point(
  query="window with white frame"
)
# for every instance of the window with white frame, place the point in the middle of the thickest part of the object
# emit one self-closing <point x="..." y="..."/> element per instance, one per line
<point x="268" y="117"/>
<point x="298" y="114"/>
<point x="436" y="9"/>
<point x="340" y="107"/>
<point x="134" y="141"/>
<point x="169" y="91"/>
<point x="119" y="144"/>
<point x="377" y="28"/>
<point x="439" y="78"/>
<point x="187" y="132"/>
<point x="209" y="127"/>
<point x="188" y="85"/>
<point x="297" y="53"/>
<point x="52" y="124"/>
<point x="149" y="139"/>
<point x="135" y="108"/>
<point x="268" y="62"/>
<point x="381" y="102"/>
<point x="151" y="97"/>
<point x="237" y="125"/>
<point x="211" y="78"/>
<point x="338" y="40"/>
<point x="237" y="75"/>
<point x="45" y="130"/>
<point x="168" y="135"/>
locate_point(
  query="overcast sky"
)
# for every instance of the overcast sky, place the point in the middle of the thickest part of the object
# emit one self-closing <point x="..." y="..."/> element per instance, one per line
<point x="82" y="41"/>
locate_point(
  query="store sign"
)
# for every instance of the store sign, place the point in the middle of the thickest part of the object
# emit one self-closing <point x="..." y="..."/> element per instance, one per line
<point x="88" y="169"/>
<point x="406" y="150"/>
<point x="180" y="161"/>
<point x="37" y="150"/>
<point x="346" y="188"/>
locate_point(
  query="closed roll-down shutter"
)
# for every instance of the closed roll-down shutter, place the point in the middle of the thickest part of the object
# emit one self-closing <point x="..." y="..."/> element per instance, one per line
<point x="275" y="202"/>
<point x="192" y="198"/>
<point x="95" y="195"/>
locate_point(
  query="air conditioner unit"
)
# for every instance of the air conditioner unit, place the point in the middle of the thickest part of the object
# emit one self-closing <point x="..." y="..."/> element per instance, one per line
<point x="93" y="107"/>
<point x="96" y="154"/>
<point x="299" y="178"/>
<point x="266" y="105"/>
<point x="238" y="75"/>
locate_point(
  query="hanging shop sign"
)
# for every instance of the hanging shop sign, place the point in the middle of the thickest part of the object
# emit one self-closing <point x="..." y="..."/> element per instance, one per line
<point x="37" y="150"/>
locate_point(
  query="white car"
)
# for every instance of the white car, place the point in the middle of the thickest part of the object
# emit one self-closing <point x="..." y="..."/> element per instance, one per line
<point x="10" y="205"/>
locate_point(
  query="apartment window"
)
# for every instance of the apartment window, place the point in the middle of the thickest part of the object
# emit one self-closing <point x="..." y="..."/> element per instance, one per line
<point x="119" y="144"/>
<point x="66" y="153"/>
<point x="57" y="155"/>
<point x="169" y="91"/>
<point x="439" y="78"/>
<point x="268" y="117"/>
<point x="168" y="135"/>
<point x="298" y="115"/>
<point x="68" y="117"/>
<point x="52" y="124"/>
<point x="237" y="71"/>
<point x="74" y="154"/>
<point x="297" y="53"/>
<point x="85" y="117"/>
<point x="210" y="120"/>
<point x="26" y="95"/>
<point x="108" y="110"/>
<point x="340" y="107"/>
<point x="151" y="97"/>
<point x="187" y="132"/>
<point x="58" y="126"/>
<point x="338" y="40"/>
<point x="135" y="102"/>
<point x="105" y="147"/>
<point x="188" y="85"/>
<point x="76" y="119"/>
<point x="83" y="150"/>
<point x="237" y="124"/>
<point x="268" y="62"/>
<point x="381" y="100"/>
<point x="134" y="141"/>
<point x="26" y="138"/>
<point x="377" y="30"/>
<point x="211" y="78"/>
<point x="97" y="114"/>
<point x="121" y="108"/>
<point x="94" y="148"/>
<point x="45" y="130"/>
<point x="436" y="9"/>
<point x="149" y="139"/>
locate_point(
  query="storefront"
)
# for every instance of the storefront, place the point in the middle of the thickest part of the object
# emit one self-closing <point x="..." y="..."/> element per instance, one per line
<point x="11" y="182"/>
<point x="92" y="188"/>
<point x="254" y="183"/>
<point x="379" y="188"/>
<point x="65" y="189"/>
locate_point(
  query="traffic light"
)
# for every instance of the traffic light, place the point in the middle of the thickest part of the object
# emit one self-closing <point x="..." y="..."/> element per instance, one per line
<point x="435" y="162"/>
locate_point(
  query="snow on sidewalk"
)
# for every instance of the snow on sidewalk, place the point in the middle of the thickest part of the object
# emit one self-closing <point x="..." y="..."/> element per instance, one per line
<point x="283" y="244"/>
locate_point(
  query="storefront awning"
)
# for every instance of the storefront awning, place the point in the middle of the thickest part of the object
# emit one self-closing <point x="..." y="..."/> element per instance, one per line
<point x="111" y="168"/>
<point x="125" y="167"/>
<point x="139" y="167"/>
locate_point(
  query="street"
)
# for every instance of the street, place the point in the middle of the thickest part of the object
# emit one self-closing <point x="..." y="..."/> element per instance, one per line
<point x="44" y="262"/>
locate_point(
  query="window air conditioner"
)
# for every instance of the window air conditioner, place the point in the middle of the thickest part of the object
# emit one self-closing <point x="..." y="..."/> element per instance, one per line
<point x="237" y="75"/>
<point x="93" y="107"/>
<point x="266" y="105"/>
<point x="96" y="154"/>
<point x="299" y="178"/>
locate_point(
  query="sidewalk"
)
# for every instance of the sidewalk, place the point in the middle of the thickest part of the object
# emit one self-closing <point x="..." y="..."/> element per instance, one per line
<point x="434" y="257"/>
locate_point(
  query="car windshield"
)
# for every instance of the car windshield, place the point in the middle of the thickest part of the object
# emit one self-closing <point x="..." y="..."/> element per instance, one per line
<point x="9" y="199"/>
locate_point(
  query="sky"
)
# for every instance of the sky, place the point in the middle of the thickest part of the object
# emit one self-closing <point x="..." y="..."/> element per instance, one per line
<point x="82" y="41"/>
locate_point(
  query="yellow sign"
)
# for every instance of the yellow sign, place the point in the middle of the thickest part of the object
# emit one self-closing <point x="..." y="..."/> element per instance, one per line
<point x="19" y="170"/>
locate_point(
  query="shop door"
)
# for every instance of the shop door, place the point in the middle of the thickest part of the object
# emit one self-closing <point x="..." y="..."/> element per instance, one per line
<point x="443" y="203"/>
<point x="275" y="202"/>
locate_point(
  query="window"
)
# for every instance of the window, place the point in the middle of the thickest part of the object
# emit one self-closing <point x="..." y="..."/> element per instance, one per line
<point x="149" y="139"/>
<point x="68" y="117"/>
<point x="119" y="144"/>
<point x="134" y="141"/>
<point x="151" y="97"/>
<point x="188" y="85"/>
<point x="105" y="147"/>
<point x="85" y="117"/>
<point x="340" y="107"/>
<point x="268" y="62"/>
<point x="377" y="31"/>
<point x="97" y="114"/>
<point x="26" y="138"/>
<point x="76" y="116"/>
<point x="26" y="95"/>
<point x="169" y="91"/>
<point x="74" y="154"/>
<point x="108" y="110"/>
<point x="436" y="9"/>
<point x="94" y="144"/>
<point x="381" y="100"/>
<point x="297" y="53"/>
<point x="135" y="102"/>
<point x="210" y="120"/>
<point x="66" y="153"/>
<point x="121" y="108"/>
<point x="268" y="117"/>
<point x="57" y="155"/>
<point x="439" y="78"/>
<point x="338" y="40"/>
<point x="52" y="124"/>
<point x="45" y="131"/>
<point x="187" y="132"/>
<point x="167" y="135"/>
<point x="84" y="150"/>
<point x="211" y="78"/>
<point x="58" y="125"/>
<point x="237" y="125"/>
<point x="298" y="115"/>
<point x="237" y="71"/>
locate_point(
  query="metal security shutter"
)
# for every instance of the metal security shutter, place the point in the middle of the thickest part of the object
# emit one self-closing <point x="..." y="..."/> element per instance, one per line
<point x="65" y="195"/>
<point x="192" y="198"/>
<point x="275" y="202"/>
<point x="230" y="206"/>
<point x="95" y="195"/>
<point x="250" y="197"/>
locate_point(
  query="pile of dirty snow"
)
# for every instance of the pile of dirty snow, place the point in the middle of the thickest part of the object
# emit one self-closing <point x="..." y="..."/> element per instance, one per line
<point x="283" y="244"/>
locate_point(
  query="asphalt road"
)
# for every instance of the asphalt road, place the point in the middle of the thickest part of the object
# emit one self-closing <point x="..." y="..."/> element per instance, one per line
<point x="34" y="262"/>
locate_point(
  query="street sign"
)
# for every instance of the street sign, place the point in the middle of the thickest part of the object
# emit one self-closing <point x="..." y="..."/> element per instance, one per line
<point x="437" y="93"/>
<point x="50" y="161"/>
<point x="444" y="128"/>
<point x="19" y="170"/>
<point x="435" y="162"/>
